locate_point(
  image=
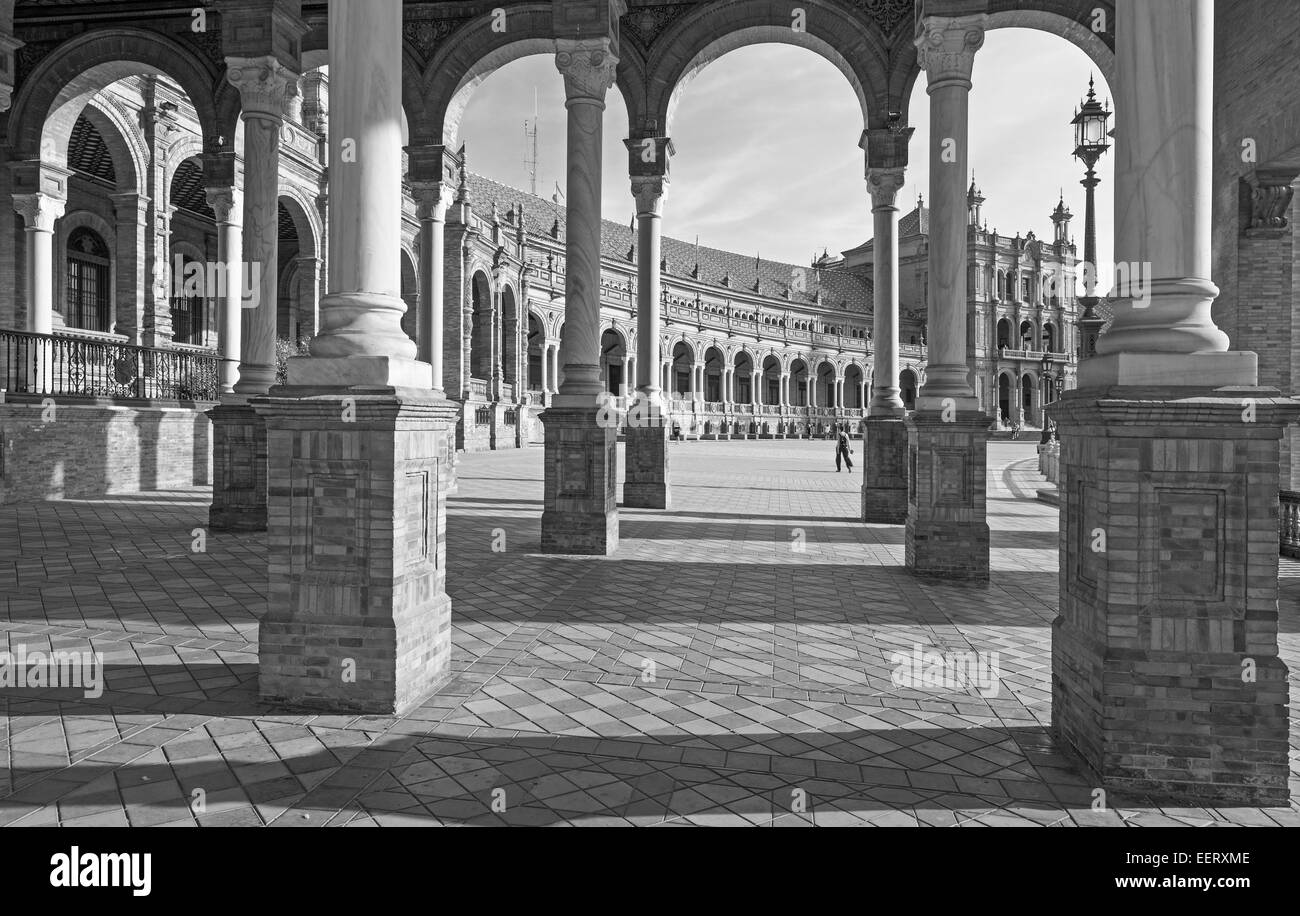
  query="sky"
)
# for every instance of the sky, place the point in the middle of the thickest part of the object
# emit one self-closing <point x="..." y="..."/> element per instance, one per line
<point x="766" y="139"/>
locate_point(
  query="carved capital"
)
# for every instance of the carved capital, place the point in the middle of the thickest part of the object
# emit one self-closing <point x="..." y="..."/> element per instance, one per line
<point x="588" y="66"/>
<point x="1270" y="201"/>
<point x="649" y="192"/>
<point x="946" y="46"/>
<point x="39" y="211"/>
<point x="883" y="185"/>
<point x="225" y="203"/>
<point x="263" y="84"/>
<point x="431" y="199"/>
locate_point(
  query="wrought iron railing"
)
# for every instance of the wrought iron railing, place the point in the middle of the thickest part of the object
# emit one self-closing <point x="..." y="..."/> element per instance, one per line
<point x="57" y="366"/>
<point x="482" y="416"/>
<point x="511" y="416"/>
<point x="1288" y="523"/>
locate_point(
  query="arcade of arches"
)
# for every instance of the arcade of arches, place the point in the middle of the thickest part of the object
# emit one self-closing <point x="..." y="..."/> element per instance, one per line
<point x="445" y="312"/>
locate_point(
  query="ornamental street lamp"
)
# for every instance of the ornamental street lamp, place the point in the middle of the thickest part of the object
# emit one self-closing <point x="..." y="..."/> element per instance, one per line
<point x="1089" y="143"/>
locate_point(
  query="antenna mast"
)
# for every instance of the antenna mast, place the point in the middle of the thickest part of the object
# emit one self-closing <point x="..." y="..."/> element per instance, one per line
<point x="530" y="147"/>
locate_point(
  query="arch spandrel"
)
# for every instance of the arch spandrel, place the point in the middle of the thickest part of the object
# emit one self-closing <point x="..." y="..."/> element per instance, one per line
<point x="471" y="53"/>
<point x="851" y="43"/>
<point x="59" y="87"/>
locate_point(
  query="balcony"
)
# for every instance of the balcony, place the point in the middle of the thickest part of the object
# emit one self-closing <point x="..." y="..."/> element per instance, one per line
<point x="46" y="365"/>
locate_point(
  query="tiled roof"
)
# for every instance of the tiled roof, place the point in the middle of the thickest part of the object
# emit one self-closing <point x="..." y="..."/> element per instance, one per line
<point x="915" y="223"/>
<point x="836" y="286"/>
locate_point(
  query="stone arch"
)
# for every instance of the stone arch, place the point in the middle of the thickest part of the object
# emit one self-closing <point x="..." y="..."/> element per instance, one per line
<point x="473" y="52"/>
<point x="852" y="44"/>
<point x="410" y="294"/>
<point x="187" y="147"/>
<point x="509" y="333"/>
<point x="481" y="296"/>
<point x="122" y="139"/>
<point x="306" y="220"/>
<point x="56" y="91"/>
<point x="1067" y="19"/>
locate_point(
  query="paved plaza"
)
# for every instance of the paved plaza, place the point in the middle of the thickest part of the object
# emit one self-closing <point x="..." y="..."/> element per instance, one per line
<point x="729" y="665"/>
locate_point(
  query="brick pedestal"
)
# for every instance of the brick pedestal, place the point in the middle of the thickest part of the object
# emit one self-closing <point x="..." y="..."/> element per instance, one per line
<point x="947" y="534"/>
<point x="646" y="483"/>
<point x="884" y="470"/>
<point x="358" y="618"/>
<point x="580" y="508"/>
<point x="1165" y="673"/>
<point x="238" y="469"/>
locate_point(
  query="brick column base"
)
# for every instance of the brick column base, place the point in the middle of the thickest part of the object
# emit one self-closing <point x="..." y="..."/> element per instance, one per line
<point x="1165" y="673"/>
<point x="580" y="506"/>
<point x="358" y="617"/>
<point x="646" y="485"/>
<point x="884" y="470"/>
<point x="947" y="531"/>
<point x="238" y="469"/>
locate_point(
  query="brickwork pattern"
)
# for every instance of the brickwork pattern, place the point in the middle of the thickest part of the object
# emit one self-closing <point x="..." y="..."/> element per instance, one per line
<point x="239" y="452"/>
<point x="648" y="484"/>
<point x="947" y="530"/>
<point x="884" y="471"/>
<point x="80" y="451"/>
<point x="580" y="492"/>
<point x="1169" y="594"/>
<point x="358" y="616"/>
<point x="772" y="669"/>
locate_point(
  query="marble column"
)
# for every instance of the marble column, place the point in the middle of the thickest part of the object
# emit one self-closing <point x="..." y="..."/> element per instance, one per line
<point x="947" y="534"/>
<point x="357" y="614"/>
<point x="545" y="347"/>
<point x="263" y="85"/>
<point x="580" y="509"/>
<point x="226" y="204"/>
<point x="238" y="431"/>
<point x="1166" y="677"/>
<point x="40" y="212"/>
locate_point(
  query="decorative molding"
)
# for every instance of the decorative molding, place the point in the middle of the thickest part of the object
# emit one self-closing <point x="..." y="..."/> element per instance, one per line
<point x="884" y="184"/>
<point x="946" y="46"/>
<point x="263" y="84"/>
<point x="39" y="211"/>
<point x="588" y="66"/>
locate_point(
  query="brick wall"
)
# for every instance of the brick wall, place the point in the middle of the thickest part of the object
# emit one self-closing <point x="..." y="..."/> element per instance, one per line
<point x="1256" y="72"/>
<point x="88" y="451"/>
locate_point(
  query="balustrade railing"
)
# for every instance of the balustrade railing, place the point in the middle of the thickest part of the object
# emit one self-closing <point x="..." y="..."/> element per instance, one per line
<point x="1288" y="523"/>
<point x="56" y="366"/>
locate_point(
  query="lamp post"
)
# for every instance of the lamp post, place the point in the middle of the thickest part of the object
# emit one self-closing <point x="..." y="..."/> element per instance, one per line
<point x="1089" y="143"/>
<point x="1045" y="373"/>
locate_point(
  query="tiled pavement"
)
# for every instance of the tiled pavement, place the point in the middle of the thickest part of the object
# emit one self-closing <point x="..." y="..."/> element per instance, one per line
<point x="729" y="665"/>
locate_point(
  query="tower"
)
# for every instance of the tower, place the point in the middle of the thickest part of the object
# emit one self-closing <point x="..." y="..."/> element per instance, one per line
<point x="974" y="199"/>
<point x="1061" y="222"/>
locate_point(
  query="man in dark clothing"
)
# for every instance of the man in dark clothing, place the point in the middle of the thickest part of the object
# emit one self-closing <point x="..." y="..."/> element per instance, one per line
<point x="842" y="450"/>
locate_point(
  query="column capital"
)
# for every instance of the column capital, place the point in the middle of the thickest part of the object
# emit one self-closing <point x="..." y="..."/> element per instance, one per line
<point x="431" y="199"/>
<point x="39" y="211"/>
<point x="264" y="85"/>
<point x="1270" y="201"/>
<point x="649" y="191"/>
<point x="226" y="202"/>
<point x="8" y="45"/>
<point x="884" y="184"/>
<point x="588" y="66"/>
<point x="946" y="46"/>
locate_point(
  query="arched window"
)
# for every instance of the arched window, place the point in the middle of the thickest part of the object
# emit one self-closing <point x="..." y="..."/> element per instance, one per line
<point x="190" y="313"/>
<point x="87" y="306"/>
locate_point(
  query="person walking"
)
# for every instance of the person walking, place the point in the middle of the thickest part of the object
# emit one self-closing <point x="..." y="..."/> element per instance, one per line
<point x="843" y="450"/>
